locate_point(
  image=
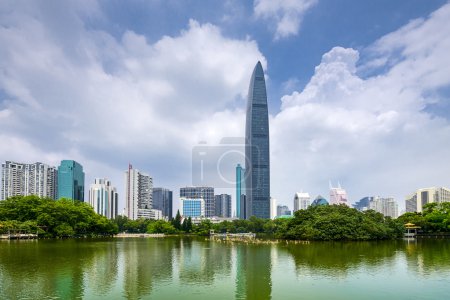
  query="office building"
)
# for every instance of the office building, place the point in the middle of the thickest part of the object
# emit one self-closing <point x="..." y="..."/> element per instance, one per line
<point x="283" y="210"/>
<point x="70" y="180"/>
<point x="338" y="195"/>
<point x="416" y="201"/>
<point x="28" y="179"/>
<point x="138" y="193"/>
<point x="363" y="204"/>
<point x="301" y="201"/>
<point x="191" y="207"/>
<point x="240" y="192"/>
<point x="257" y="160"/>
<point x="163" y="201"/>
<point x="319" y="200"/>
<point x="223" y="205"/>
<point x="204" y="192"/>
<point x="103" y="198"/>
<point x="387" y="206"/>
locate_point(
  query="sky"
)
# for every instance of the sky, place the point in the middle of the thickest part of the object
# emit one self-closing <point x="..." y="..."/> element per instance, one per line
<point x="358" y="91"/>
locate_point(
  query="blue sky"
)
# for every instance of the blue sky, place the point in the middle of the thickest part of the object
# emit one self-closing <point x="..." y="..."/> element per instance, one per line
<point x="358" y="90"/>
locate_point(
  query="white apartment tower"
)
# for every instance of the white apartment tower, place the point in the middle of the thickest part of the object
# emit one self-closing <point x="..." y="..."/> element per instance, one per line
<point x="138" y="193"/>
<point x="387" y="206"/>
<point x="28" y="179"/>
<point x="416" y="201"/>
<point x="301" y="201"/>
<point x="103" y="198"/>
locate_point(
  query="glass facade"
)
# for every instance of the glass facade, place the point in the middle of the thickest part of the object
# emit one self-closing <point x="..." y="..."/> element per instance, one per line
<point x="162" y="200"/>
<point x="204" y="192"/>
<point x="257" y="161"/>
<point x="192" y="207"/>
<point x="70" y="180"/>
<point x="240" y="192"/>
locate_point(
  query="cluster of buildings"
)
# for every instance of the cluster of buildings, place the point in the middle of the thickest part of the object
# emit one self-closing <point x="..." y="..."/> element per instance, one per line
<point x="142" y="200"/>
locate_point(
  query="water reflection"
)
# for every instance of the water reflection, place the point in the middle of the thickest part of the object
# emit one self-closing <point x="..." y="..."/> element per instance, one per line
<point x="195" y="268"/>
<point x="253" y="272"/>
<point x="334" y="259"/>
<point x="144" y="263"/>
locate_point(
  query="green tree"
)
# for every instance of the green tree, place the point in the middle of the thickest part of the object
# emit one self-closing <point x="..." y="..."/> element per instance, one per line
<point x="176" y="222"/>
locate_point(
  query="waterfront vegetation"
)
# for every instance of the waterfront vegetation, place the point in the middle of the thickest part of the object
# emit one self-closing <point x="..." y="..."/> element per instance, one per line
<point x="67" y="218"/>
<point x="50" y="218"/>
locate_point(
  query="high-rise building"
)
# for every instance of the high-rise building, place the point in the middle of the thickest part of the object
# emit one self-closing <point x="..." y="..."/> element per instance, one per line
<point x="163" y="201"/>
<point x="103" y="198"/>
<point x="387" y="206"/>
<point x="192" y="207"/>
<point x="257" y="156"/>
<point x="301" y="201"/>
<point x="70" y="180"/>
<point x="28" y="179"/>
<point x="338" y="195"/>
<point x="283" y="210"/>
<point x="363" y="204"/>
<point x="223" y="205"/>
<point x="416" y="201"/>
<point x="240" y="192"/>
<point x="138" y="194"/>
<point x="204" y="192"/>
<point x="273" y="208"/>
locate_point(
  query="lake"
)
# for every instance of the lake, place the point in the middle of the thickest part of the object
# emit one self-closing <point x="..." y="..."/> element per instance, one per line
<point x="196" y="268"/>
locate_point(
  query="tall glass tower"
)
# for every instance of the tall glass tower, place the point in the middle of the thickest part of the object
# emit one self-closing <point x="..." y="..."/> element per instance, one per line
<point x="70" y="180"/>
<point x="257" y="163"/>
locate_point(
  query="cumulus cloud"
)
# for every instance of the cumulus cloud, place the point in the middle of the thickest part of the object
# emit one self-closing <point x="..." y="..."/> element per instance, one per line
<point x="285" y="15"/>
<point x="77" y="92"/>
<point x="374" y="134"/>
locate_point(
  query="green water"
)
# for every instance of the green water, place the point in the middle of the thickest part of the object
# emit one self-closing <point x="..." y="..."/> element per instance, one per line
<point x="193" y="268"/>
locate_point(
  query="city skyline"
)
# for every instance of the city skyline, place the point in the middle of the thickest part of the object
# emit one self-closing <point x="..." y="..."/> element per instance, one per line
<point x="355" y="90"/>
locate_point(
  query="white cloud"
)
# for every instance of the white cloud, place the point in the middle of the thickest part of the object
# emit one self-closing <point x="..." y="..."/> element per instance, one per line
<point x="106" y="102"/>
<point x="286" y="15"/>
<point x="373" y="134"/>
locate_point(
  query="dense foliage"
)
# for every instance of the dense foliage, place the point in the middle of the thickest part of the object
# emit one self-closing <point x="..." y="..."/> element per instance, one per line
<point x="50" y="218"/>
<point x="334" y="222"/>
<point x="434" y="218"/>
<point x="339" y="222"/>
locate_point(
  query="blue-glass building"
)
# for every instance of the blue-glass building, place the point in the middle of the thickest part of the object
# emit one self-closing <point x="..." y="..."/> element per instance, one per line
<point x="192" y="207"/>
<point x="162" y="200"/>
<point x="240" y="192"/>
<point x="70" y="180"/>
<point x="319" y="201"/>
<point x="257" y="162"/>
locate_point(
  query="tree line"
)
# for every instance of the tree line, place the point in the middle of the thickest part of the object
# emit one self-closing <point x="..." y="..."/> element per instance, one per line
<point x="50" y="218"/>
<point x="67" y="218"/>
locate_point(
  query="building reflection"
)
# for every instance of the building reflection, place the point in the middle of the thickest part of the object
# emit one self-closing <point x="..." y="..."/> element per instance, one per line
<point x="202" y="262"/>
<point x="253" y="272"/>
<point x="43" y="269"/>
<point x="145" y="262"/>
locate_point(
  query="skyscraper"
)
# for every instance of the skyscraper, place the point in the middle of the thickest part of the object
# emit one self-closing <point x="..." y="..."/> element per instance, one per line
<point x="240" y="192"/>
<point x="223" y="205"/>
<point x="201" y="192"/>
<point x="387" y="206"/>
<point x="301" y="201"/>
<point x="338" y="195"/>
<point x="70" y="180"/>
<point x="257" y="161"/>
<point x="28" y="179"/>
<point x="162" y="200"/>
<point x="138" y="194"/>
<point x="103" y="198"/>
